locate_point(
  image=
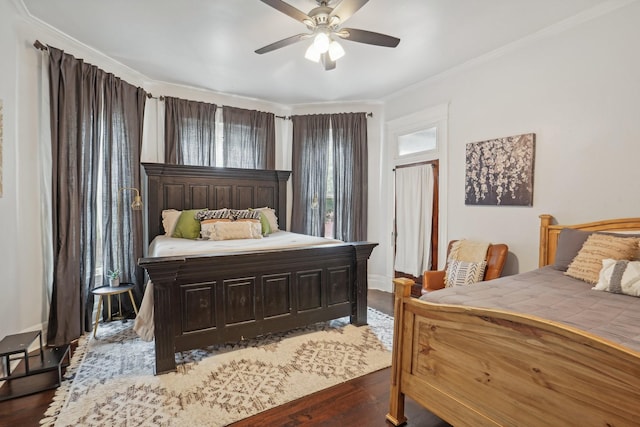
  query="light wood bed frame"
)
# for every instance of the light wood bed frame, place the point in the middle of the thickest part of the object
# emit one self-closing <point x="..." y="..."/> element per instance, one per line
<point x="201" y="300"/>
<point x="482" y="367"/>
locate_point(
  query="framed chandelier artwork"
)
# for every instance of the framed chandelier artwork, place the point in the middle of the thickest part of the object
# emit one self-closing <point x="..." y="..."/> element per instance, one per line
<point x="499" y="172"/>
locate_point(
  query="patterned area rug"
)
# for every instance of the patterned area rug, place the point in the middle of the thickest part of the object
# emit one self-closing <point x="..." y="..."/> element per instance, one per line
<point x="110" y="380"/>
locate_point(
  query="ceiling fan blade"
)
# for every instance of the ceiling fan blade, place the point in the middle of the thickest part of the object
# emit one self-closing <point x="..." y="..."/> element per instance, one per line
<point x="328" y="63"/>
<point x="346" y="8"/>
<point x="282" y="43"/>
<point x="368" y="37"/>
<point x="287" y="9"/>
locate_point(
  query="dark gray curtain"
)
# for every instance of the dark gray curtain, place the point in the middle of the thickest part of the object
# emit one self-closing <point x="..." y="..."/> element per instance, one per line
<point x="123" y="122"/>
<point x="350" y="173"/>
<point x="347" y="134"/>
<point x="309" y="173"/>
<point x="249" y="138"/>
<point x="74" y="141"/>
<point x="78" y="97"/>
<point x="189" y="132"/>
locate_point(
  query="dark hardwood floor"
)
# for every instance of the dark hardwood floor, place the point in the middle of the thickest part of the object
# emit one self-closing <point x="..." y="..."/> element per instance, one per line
<point x="27" y="410"/>
<point x="363" y="401"/>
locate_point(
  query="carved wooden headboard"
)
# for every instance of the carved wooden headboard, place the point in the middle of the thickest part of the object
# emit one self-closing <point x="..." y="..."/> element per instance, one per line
<point x="191" y="187"/>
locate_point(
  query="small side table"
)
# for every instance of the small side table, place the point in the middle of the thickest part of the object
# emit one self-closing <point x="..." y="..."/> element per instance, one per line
<point x="108" y="291"/>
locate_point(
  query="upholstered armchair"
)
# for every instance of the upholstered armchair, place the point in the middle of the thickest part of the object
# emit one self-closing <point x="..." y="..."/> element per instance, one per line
<point x="496" y="257"/>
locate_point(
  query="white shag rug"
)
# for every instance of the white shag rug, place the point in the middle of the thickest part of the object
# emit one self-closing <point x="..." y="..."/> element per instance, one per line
<point x="110" y="380"/>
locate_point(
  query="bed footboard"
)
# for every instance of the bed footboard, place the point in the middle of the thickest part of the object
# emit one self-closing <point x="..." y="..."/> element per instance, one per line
<point x="479" y="367"/>
<point x="214" y="299"/>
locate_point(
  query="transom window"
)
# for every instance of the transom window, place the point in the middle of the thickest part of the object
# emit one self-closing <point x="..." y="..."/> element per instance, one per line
<point x="417" y="142"/>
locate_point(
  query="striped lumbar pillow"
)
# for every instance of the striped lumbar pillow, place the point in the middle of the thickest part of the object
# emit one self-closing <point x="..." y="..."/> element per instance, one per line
<point x="460" y="273"/>
<point x="619" y="277"/>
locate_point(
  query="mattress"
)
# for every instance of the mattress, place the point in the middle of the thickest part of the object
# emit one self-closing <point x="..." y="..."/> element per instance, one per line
<point x="550" y="294"/>
<point x="163" y="246"/>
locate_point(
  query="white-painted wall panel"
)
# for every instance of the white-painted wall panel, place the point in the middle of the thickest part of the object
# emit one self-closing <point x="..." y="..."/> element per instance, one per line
<point x="577" y="89"/>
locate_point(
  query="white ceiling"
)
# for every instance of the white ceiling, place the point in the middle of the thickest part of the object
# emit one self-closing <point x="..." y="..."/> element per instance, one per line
<point x="210" y="43"/>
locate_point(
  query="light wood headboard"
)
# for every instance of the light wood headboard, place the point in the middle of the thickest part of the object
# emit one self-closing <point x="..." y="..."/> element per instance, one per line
<point x="549" y="233"/>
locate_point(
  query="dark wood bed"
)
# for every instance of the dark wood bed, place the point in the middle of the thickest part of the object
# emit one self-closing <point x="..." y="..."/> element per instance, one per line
<point x="202" y="300"/>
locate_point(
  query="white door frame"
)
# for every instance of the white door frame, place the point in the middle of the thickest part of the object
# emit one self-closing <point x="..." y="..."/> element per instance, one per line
<point x="432" y="117"/>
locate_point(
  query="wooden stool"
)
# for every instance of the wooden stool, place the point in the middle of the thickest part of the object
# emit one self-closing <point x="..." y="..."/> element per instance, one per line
<point x="108" y="291"/>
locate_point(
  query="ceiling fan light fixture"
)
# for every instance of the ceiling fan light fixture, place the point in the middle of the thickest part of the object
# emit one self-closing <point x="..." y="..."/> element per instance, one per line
<point x="324" y="23"/>
<point x="321" y="42"/>
<point x="336" y="51"/>
<point x="312" y="53"/>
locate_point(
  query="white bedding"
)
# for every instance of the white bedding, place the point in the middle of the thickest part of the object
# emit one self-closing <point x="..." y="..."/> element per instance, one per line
<point x="164" y="246"/>
<point x="171" y="246"/>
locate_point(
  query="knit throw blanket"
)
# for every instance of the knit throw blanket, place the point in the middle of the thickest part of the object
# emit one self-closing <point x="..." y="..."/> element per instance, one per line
<point x="469" y="251"/>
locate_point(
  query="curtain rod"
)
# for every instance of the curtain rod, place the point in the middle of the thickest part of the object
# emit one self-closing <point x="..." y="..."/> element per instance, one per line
<point x="161" y="98"/>
<point x="42" y="47"/>
<point x="410" y="165"/>
<point x="38" y="45"/>
<point x="369" y="114"/>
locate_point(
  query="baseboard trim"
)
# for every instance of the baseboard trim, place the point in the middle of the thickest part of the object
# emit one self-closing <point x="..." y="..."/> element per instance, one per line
<point x="380" y="282"/>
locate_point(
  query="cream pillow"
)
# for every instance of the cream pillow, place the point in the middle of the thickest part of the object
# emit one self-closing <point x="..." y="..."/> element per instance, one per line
<point x="236" y="230"/>
<point x="169" y="220"/>
<point x="256" y="228"/>
<point x="270" y="214"/>
<point x="619" y="277"/>
<point x="207" y="228"/>
<point x="460" y="273"/>
<point x="587" y="264"/>
<point x="633" y="233"/>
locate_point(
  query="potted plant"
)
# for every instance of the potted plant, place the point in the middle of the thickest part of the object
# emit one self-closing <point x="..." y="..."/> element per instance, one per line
<point x="114" y="278"/>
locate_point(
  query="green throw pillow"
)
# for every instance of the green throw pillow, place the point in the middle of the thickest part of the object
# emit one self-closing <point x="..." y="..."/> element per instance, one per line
<point x="187" y="227"/>
<point x="264" y="222"/>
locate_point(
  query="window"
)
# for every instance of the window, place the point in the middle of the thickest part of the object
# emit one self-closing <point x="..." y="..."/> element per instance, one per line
<point x="219" y="138"/>
<point x="417" y="142"/>
<point x="248" y="138"/>
<point x="330" y="202"/>
<point x="201" y="134"/>
<point x="329" y="165"/>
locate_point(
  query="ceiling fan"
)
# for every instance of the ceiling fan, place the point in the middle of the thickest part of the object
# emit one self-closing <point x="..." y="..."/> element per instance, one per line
<point x="325" y="24"/>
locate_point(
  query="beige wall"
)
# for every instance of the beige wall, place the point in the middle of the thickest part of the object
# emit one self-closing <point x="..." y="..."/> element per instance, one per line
<point x="577" y="88"/>
<point x="12" y="300"/>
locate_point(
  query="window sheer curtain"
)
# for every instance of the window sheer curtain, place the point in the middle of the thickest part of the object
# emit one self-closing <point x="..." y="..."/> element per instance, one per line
<point x="190" y="132"/>
<point x="123" y="122"/>
<point x="312" y="134"/>
<point x="88" y="112"/>
<point x="350" y="175"/>
<point x="309" y="173"/>
<point x="249" y="138"/>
